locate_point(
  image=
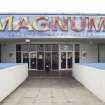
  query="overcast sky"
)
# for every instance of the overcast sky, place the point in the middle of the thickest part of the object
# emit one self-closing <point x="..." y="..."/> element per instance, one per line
<point x="53" y="6"/>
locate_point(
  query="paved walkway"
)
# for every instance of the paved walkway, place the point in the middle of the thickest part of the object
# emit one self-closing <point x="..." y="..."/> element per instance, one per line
<point x="51" y="90"/>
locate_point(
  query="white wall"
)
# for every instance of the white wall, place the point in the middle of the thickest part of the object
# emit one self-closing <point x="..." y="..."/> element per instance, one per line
<point x="91" y="51"/>
<point x="11" y="78"/>
<point x="92" y="78"/>
<point x="6" y="51"/>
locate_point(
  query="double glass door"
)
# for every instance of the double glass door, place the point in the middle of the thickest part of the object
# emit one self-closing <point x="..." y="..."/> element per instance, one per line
<point x="41" y="60"/>
<point x="66" y="60"/>
<point x="48" y="60"/>
<point x="30" y="58"/>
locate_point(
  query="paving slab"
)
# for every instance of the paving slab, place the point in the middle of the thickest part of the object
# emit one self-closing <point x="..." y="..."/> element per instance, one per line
<point x="51" y="90"/>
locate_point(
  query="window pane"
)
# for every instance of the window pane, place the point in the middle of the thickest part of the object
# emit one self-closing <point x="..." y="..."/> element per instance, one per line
<point x="40" y="60"/>
<point x="63" y="60"/>
<point x="33" y="60"/>
<point x="18" y="47"/>
<point x="76" y="57"/>
<point x="40" y="47"/>
<point x="69" y="59"/>
<point x="66" y="47"/>
<point x="25" y="47"/>
<point x="77" y="53"/>
<point x="55" y="62"/>
<point x="33" y="47"/>
<point x="77" y="47"/>
<point x="47" y="47"/>
<point x="55" y="47"/>
<point x="47" y="61"/>
<point x="26" y="58"/>
<point x="18" y="57"/>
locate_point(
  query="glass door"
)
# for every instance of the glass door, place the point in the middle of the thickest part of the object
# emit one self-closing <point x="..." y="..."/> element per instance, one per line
<point x="47" y="61"/>
<point x="55" y="61"/>
<point x="40" y="60"/>
<point x="66" y="60"/>
<point x="33" y="57"/>
<point x="69" y="60"/>
<point x="63" y="60"/>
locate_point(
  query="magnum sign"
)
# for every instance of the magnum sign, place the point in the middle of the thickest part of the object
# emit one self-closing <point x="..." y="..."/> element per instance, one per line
<point x="54" y="23"/>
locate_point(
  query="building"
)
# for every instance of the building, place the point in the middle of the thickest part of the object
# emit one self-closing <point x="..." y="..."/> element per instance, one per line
<point x="52" y="41"/>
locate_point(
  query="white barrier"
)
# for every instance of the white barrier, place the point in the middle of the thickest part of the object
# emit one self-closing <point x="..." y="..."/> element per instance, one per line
<point x="91" y="77"/>
<point x="11" y="77"/>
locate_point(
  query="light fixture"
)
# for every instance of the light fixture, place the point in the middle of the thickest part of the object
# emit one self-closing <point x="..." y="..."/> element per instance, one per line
<point x="27" y="40"/>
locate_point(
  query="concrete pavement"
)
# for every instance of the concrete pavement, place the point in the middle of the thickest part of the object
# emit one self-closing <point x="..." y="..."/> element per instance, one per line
<point x="51" y="90"/>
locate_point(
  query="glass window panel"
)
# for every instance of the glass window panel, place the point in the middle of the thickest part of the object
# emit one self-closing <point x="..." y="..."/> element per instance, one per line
<point x="33" y="60"/>
<point x="18" y="47"/>
<point x="66" y="47"/>
<point x="33" y="47"/>
<point x="77" y="53"/>
<point x="40" y="47"/>
<point x="63" y="60"/>
<point x="40" y="60"/>
<point x="69" y="59"/>
<point x="47" y="61"/>
<point x="55" y="47"/>
<point x="47" y="47"/>
<point x="77" y="47"/>
<point x="18" y="57"/>
<point x="77" y="57"/>
<point x="26" y="58"/>
<point x="25" y="47"/>
<point x="55" y="61"/>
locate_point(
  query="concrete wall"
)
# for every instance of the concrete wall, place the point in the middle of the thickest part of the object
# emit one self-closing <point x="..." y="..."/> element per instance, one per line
<point x="11" y="78"/>
<point x="88" y="53"/>
<point x="92" y="78"/>
<point x="8" y="53"/>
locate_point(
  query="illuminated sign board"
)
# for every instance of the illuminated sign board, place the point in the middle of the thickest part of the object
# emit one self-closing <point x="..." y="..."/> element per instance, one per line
<point x="53" y="25"/>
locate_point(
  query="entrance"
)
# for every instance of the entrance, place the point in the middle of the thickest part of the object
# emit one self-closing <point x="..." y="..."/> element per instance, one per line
<point x="66" y="60"/>
<point x="48" y="57"/>
<point x="41" y="60"/>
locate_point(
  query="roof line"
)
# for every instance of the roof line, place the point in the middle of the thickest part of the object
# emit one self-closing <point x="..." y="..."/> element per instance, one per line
<point x="88" y="14"/>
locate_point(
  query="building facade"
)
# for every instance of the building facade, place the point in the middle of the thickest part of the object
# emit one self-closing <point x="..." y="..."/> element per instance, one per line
<point x="52" y="41"/>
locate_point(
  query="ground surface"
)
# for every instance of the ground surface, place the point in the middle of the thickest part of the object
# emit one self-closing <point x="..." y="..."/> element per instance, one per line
<point x="48" y="89"/>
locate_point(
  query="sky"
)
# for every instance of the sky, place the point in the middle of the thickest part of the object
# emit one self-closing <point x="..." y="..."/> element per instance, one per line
<point x="52" y="6"/>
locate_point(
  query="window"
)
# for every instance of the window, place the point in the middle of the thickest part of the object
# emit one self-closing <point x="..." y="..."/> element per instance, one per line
<point x="25" y="47"/>
<point x="33" y="47"/>
<point x="55" y="47"/>
<point x="18" y="47"/>
<point x="66" y="47"/>
<point x="55" y="60"/>
<point x="18" y="57"/>
<point x="47" y="47"/>
<point x="18" y="53"/>
<point x="77" y="53"/>
<point x="40" y="47"/>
